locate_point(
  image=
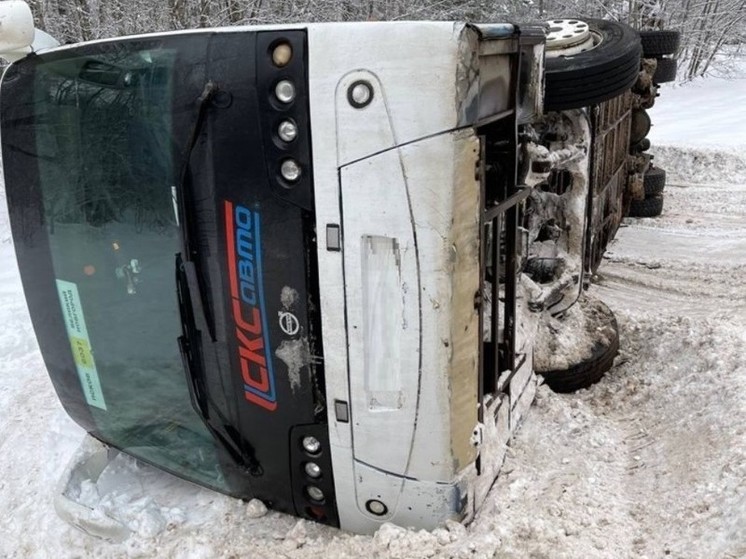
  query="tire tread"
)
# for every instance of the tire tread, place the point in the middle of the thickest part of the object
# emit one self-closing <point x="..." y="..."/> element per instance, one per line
<point x="654" y="181"/>
<point x="585" y="373"/>
<point x="597" y="75"/>
<point x="659" y="43"/>
<point x="665" y="71"/>
<point x="649" y="207"/>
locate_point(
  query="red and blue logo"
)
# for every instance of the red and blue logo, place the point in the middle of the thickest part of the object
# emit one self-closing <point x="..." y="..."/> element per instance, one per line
<point x="243" y="241"/>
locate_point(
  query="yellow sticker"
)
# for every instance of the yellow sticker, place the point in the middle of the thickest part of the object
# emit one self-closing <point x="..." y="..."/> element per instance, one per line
<point x="82" y="352"/>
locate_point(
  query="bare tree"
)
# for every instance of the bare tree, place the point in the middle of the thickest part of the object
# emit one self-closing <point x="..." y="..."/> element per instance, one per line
<point x="707" y="26"/>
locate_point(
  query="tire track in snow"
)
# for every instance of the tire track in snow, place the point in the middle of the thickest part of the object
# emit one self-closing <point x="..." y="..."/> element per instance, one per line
<point x="678" y="290"/>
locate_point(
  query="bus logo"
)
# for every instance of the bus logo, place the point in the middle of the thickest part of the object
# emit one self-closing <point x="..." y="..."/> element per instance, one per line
<point x="288" y="323"/>
<point x="244" y="248"/>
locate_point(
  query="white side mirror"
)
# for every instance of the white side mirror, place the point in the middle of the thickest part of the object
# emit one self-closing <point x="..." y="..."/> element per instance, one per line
<point x="43" y="41"/>
<point x="16" y="26"/>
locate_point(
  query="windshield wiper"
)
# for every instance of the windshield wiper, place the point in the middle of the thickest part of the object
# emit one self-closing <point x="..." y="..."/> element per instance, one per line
<point x="185" y="203"/>
<point x="191" y="349"/>
<point x="193" y="309"/>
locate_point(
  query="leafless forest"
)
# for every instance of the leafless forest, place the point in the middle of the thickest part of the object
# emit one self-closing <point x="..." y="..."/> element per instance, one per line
<point x="708" y="26"/>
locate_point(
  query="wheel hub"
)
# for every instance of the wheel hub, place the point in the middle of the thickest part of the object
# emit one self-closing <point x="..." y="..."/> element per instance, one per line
<point x="568" y="36"/>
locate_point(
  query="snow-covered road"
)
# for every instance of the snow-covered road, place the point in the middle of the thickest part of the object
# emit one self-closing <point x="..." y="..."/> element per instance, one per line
<point x="650" y="462"/>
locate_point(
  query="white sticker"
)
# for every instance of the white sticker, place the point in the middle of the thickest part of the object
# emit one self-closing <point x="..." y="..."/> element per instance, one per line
<point x="77" y="333"/>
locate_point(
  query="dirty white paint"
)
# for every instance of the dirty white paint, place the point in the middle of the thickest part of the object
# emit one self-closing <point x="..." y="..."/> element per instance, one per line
<point x="384" y="401"/>
<point x="445" y="201"/>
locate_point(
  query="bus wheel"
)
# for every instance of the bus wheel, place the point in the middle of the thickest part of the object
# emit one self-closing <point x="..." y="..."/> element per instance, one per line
<point x="640" y="126"/>
<point x="589" y="61"/>
<point x="651" y="206"/>
<point x="665" y="71"/>
<point x="659" y="42"/>
<point x="655" y="181"/>
<point x="577" y="348"/>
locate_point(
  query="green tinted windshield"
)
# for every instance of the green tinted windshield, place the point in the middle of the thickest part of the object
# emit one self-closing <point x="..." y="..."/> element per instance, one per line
<point x="107" y="170"/>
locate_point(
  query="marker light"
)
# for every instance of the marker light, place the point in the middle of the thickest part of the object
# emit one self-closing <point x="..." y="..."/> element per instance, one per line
<point x="376" y="507"/>
<point x="290" y="171"/>
<point x="315" y="493"/>
<point x="360" y="94"/>
<point x="285" y="91"/>
<point x="287" y="131"/>
<point x="282" y="54"/>
<point x="312" y="469"/>
<point x="311" y="445"/>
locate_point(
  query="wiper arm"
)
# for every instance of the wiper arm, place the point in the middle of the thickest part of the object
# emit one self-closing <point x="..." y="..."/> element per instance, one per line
<point x="185" y="201"/>
<point x="190" y="347"/>
<point x="192" y="308"/>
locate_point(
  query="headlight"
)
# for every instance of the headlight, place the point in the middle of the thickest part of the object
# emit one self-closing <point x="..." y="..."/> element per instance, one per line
<point x="285" y="91"/>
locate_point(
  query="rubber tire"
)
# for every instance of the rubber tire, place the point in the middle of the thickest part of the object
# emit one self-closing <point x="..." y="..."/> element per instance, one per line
<point x="665" y="71"/>
<point x="640" y="126"/>
<point x="654" y="181"/>
<point x="659" y="43"/>
<point x="597" y="75"/>
<point x="649" y="207"/>
<point x="587" y="372"/>
<point x="642" y="145"/>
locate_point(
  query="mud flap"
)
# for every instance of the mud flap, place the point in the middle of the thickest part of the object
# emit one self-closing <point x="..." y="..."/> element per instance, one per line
<point x="87" y="464"/>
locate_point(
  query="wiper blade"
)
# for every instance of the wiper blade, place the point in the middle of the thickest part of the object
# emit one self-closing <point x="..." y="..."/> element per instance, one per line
<point x="185" y="200"/>
<point x="191" y="349"/>
<point x="190" y="341"/>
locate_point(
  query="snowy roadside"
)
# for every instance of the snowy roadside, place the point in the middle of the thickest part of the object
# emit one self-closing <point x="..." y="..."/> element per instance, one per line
<point x="650" y="462"/>
<point x="704" y="113"/>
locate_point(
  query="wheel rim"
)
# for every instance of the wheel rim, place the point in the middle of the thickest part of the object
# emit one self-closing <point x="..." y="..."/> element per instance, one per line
<point x="567" y="37"/>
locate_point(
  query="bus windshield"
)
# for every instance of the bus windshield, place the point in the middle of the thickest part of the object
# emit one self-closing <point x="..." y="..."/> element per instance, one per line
<point x="159" y="245"/>
<point x="102" y="137"/>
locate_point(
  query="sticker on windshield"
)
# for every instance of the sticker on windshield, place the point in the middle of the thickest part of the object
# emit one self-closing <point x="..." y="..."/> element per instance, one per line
<point x="77" y="333"/>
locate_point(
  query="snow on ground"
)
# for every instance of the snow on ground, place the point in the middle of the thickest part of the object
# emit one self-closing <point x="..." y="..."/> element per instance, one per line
<point x="705" y="112"/>
<point x="650" y="462"/>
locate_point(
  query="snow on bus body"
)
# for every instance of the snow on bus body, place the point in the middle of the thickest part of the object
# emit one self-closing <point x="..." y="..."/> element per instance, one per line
<point x="398" y="301"/>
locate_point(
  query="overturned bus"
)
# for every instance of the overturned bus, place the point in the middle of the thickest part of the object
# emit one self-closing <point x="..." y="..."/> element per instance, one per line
<point x="289" y="263"/>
